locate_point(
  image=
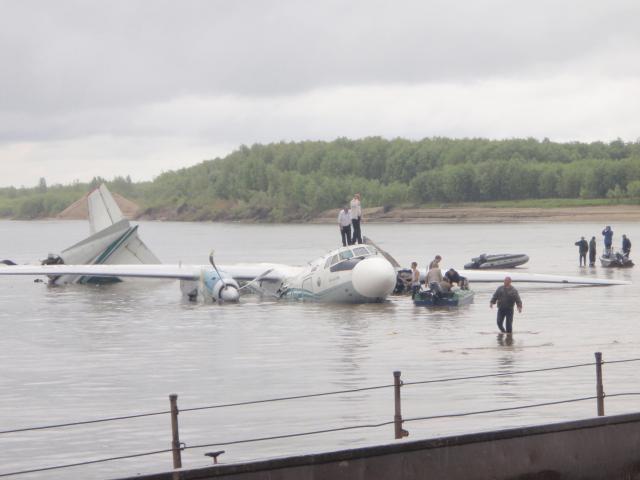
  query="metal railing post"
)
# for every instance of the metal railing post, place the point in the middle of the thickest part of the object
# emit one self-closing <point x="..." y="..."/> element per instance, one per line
<point x="599" y="388"/>
<point x="175" y="435"/>
<point x="397" y="418"/>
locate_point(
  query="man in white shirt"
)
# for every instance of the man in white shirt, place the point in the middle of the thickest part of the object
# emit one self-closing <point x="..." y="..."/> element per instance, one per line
<point x="356" y="216"/>
<point x="344" y="224"/>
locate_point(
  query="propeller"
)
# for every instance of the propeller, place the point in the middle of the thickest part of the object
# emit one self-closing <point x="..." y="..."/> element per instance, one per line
<point x="253" y="286"/>
<point x="257" y="279"/>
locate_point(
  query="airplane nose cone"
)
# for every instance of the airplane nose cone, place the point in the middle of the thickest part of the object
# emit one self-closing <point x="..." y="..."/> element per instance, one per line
<point x="374" y="277"/>
<point x="229" y="294"/>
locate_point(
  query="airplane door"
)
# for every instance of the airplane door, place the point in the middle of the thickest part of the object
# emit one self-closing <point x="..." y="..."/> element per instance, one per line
<point x="307" y="284"/>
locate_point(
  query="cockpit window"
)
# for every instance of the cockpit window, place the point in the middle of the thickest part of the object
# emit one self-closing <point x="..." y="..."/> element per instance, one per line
<point x="360" y="251"/>
<point x="346" y="255"/>
<point x="334" y="259"/>
<point x="327" y="264"/>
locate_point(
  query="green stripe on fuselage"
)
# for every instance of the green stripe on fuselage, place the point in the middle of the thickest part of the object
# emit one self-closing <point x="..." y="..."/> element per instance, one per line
<point x="104" y="256"/>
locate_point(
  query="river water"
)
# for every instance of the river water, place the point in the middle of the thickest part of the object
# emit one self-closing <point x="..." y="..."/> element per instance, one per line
<point x="83" y="352"/>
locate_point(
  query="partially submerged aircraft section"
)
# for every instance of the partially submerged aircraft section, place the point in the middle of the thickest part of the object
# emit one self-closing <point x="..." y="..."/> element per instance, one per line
<point x="351" y="274"/>
<point x="113" y="241"/>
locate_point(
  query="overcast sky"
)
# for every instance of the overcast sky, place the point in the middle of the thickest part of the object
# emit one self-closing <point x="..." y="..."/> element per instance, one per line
<point x="139" y="87"/>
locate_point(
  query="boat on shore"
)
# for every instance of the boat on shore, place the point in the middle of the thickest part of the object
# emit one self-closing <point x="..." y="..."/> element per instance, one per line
<point x="502" y="260"/>
<point x="457" y="298"/>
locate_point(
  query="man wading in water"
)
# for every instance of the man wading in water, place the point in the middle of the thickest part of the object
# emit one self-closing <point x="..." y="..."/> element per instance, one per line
<point x="506" y="296"/>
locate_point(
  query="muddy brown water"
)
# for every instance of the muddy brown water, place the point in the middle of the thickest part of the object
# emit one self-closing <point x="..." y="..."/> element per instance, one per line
<point x="83" y="352"/>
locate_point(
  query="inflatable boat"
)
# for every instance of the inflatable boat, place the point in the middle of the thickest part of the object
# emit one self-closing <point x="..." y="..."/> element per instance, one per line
<point x="504" y="260"/>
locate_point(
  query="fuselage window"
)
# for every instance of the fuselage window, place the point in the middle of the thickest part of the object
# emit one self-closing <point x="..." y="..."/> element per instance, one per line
<point x="346" y="255"/>
<point x="360" y="251"/>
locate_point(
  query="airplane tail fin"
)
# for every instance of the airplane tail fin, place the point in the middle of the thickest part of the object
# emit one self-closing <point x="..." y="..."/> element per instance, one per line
<point x="103" y="209"/>
<point x="112" y="241"/>
<point x="128" y="250"/>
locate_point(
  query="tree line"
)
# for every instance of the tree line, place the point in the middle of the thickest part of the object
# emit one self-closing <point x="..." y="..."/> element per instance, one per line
<point x="298" y="180"/>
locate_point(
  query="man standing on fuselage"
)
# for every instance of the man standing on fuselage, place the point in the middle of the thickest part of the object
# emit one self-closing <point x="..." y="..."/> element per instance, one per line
<point x="506" y="296"/>
<point x="344" y="224"/>
<point x="356" y="217"/>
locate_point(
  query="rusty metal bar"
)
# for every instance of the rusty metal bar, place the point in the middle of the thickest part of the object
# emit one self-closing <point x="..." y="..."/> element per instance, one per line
<point x="397" y="418"/>
<point x="599" y="387"/>
<point x="175" y="435"/>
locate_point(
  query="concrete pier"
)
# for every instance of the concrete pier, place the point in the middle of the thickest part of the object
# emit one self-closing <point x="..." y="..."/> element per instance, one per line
<point x="598" y="448"/>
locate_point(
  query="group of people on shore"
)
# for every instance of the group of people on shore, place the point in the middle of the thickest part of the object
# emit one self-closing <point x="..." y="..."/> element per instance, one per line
<point x="350" y="217"/>
<point x="589" y="247"/>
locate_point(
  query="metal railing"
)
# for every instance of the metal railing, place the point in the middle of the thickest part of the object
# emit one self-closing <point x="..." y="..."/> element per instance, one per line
<point x="177" y="447"/>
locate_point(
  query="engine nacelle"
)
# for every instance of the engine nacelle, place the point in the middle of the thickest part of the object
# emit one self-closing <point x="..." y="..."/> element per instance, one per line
<point x="225" y="290"/>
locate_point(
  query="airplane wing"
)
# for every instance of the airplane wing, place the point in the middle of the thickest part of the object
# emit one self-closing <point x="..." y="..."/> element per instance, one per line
<point x="180" y="272"/>
<point x="240" y="272"/>
<point x="486" y="276"/>
<point x="245" y="272"/>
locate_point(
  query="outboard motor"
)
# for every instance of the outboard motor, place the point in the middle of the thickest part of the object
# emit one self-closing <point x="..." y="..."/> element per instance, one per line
<point x="402" y="281"/>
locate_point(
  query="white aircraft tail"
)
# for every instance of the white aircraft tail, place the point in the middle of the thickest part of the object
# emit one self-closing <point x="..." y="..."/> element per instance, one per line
<point x="103" y="209"/>
<point x="113" y="241"/>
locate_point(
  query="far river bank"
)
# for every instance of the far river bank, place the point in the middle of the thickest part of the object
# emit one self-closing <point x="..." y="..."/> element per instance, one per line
<point x="480" y="214"/>
<point x="540" y="211"/>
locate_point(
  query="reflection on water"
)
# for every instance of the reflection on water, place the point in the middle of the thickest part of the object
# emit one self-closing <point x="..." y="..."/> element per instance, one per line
<point x="82" y="352"/>
<point x="505" y="340"/>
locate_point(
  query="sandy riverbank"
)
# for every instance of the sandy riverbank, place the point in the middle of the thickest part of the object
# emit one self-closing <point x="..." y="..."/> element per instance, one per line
<point x="444" y="214"/>
<point x="475" y="214"/>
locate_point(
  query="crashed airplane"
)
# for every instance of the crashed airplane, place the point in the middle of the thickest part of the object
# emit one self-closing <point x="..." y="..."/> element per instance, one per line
<point x="354" y="274"/>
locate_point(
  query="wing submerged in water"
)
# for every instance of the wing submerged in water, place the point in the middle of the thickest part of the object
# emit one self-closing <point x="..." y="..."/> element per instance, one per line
<point x="493" y="277"/>
<point x="246" y="272"/>
<point x="180" y="272"/>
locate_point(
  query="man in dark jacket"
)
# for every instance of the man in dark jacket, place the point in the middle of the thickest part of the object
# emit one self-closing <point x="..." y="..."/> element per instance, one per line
<point x="506" y="296"/>
<point x="608" y="240"/>
<point x="583" y="248"/>
<point x="626" y="246"/>
<point x="454" y="277"/>
<point x="592" y="252"/>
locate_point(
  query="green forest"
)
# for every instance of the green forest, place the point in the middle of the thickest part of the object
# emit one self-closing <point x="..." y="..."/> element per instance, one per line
<point x="296" y="181"/>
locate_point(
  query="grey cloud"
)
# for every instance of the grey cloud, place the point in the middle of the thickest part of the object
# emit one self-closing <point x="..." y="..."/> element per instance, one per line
<point x="116" y="87"/>
<point x="68" y="55"/>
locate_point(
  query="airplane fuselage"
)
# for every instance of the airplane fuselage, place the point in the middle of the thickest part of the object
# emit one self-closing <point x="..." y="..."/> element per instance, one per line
<point x="355" y="274"/>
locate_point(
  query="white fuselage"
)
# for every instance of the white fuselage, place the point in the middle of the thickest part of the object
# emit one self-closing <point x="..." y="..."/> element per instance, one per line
<point x="355" y="274"/>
